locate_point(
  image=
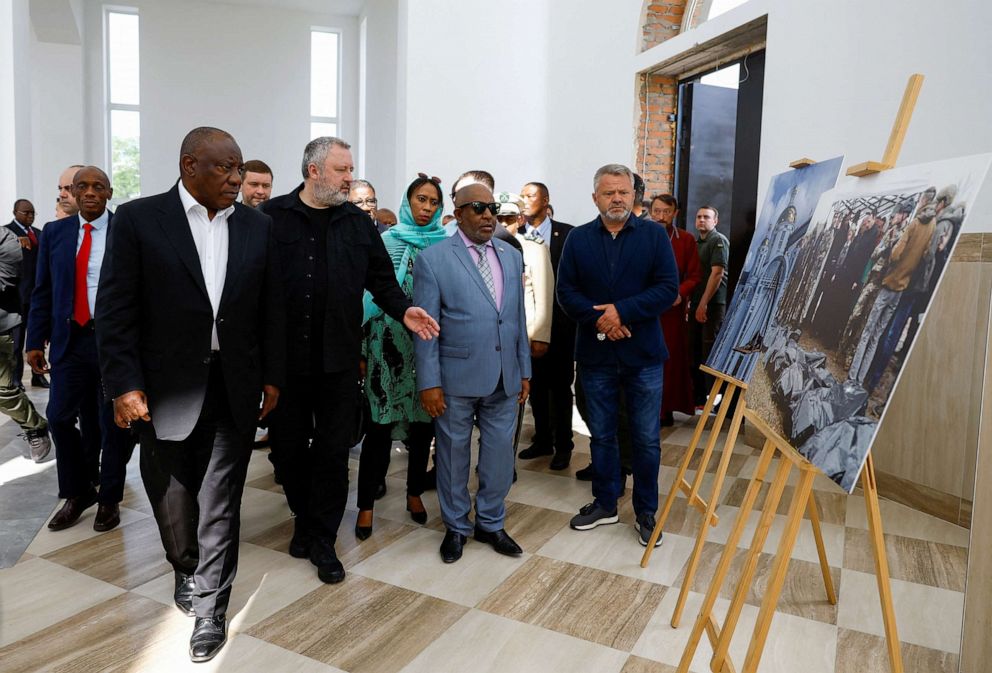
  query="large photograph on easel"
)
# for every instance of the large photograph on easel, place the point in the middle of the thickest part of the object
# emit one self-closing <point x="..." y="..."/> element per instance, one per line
<point x="863" y="277"/>
<point x="785" y="216"/>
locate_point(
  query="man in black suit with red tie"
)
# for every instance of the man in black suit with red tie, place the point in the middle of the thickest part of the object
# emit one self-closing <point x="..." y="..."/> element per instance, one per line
<point x="191" y="335"/>
<point x="554" y="365"/>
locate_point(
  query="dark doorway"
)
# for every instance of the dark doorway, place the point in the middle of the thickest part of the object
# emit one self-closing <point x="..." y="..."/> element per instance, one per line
<point x="716" y="156"/>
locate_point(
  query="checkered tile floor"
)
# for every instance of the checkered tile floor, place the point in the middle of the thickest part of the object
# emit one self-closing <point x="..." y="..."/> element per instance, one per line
<point x="82" y="601"/>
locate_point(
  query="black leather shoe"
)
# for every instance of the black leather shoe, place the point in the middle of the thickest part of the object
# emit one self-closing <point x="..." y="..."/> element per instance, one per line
<point x="329" y="568"/>
<point x="364" y="532"/>
<point x="418" y="516"/>
<point x="561" y="460"/>
<point x="586" y="473"/>
<point x="500" y="541"/>
<point x="183" y="595"/>
<point x="39" y="381"/>
<point x="70" y="512"/>
<point x="209" y="635"/>
<point x="380" y="490"/>
<point x="535" y="450"/>
<point x="451" y="546"/>
<point x="107" y="517"/>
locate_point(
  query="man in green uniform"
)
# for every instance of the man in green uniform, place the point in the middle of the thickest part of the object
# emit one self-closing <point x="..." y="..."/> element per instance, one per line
<point x="709" y="299"/>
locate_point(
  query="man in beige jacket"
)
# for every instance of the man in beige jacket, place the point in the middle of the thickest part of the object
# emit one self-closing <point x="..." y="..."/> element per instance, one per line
<point x="539" y="283"/>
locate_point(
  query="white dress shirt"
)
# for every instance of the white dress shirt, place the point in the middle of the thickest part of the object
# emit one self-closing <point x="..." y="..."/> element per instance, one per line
<point x="98" y="244"/>
<point x="542" y="229"/>
<point x="211" y="240"/>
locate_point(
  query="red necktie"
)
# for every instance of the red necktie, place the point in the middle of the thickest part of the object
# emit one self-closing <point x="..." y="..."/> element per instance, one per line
<point x="32" y="238"/>
<point x="81" y="303"/>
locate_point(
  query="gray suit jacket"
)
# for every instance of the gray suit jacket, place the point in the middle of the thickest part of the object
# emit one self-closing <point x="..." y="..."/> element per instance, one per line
<point x="478" y="344"/>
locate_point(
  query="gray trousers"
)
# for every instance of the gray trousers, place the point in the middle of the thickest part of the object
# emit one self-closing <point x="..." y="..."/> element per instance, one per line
<point x="497" y="416"/>
<point x="13" y="401"/>
<point x="876" y="325"/>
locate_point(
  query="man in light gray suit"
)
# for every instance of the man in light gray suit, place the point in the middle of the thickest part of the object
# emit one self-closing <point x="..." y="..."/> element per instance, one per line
<point x="479" y="368"/>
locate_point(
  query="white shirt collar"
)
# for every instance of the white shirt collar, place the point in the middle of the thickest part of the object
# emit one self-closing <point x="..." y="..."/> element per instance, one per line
<point x="98" y="223"/>
<point x="190" y="202"/>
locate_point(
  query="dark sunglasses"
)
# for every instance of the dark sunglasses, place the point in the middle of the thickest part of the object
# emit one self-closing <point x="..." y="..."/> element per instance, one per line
<point x="436" y="180"/>
<point x="478" y="207"/>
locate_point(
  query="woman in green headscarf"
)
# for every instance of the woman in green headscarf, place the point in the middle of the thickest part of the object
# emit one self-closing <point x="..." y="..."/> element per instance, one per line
<point x="390" y="379"/>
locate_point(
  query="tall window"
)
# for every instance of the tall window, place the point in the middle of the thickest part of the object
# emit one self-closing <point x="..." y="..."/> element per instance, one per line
<point x="325" y="60"/>
<point x="123" y="121"/>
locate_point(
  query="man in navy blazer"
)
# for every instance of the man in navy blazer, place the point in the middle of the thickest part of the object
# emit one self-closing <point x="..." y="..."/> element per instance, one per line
<point x="478" y="368"/>
<point x="617" y="275"/>
<point x="94" y="455"/>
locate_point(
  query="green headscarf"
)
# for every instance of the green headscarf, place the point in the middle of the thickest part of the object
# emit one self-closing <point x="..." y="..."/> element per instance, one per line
<point x="401" y="240"/>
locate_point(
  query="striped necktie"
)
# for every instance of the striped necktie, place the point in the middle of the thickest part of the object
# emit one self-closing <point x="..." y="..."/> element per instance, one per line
<point x="485" y="270"/>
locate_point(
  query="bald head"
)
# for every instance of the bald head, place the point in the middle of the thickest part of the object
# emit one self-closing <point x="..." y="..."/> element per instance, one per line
<point x="91" y="189"/>
<point x="66" y="201"/>
<point x="474" y="192"/>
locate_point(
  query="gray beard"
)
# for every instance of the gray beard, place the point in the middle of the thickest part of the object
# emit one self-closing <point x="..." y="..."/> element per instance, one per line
<point x="327" y="196"/>
<point x="622" y="218"/>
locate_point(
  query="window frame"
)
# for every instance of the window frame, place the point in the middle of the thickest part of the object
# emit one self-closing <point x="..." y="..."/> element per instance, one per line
<point x="320" y="119"/>
<point x="109" y="107"/>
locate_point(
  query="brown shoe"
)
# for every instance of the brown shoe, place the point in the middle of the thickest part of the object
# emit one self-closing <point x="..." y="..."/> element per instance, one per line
<point x="70" y="512"/>
<point x="107" y="517"/>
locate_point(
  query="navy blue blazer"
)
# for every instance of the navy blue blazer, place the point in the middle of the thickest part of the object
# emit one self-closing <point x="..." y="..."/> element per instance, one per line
<point x="55" y="285"/>
<point x="642" y="284"/>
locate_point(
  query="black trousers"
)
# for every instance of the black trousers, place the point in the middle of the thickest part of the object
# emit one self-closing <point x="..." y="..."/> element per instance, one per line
<point x="551" y="397"/>
<point x="374" y="462"/>
<point x="314" y="472"/>
<point x="96" y="453"/>
<point x="195" y="487"/>
<point x="702" y="336"/>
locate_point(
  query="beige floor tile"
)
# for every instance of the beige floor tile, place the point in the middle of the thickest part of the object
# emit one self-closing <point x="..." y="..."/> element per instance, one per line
<point x="413" y="562"/>
<point x="831" y="505"/>
<point x="925" y="616"/>
<point x="48" y="541"/>
<point x="108" y="635"/>
<point x="901" y="520"/>
<point x="910" y="559"/>
<point x="550" y="491"/>
<point x="594" y="605"/>
<point x="261" y="510"/>
<point x="392" y="506"/>
<point x="485" y="643"/>
<point x="860" y="652"/>
<point x="267" y="482"/>
<point x="640" y="665"/>
<point x="267" y="581"/>
<point x="258" y="465"/>
<point x="794" y="644"/>
<point x="242" y="653"/>
<point x="805" y="547"/>
<point x="672" y="455"/>
<point x="360" y="625"/>
<point x="616" y="549"/>
<point x="803" y="593"/>
<point x="38" y="593"/>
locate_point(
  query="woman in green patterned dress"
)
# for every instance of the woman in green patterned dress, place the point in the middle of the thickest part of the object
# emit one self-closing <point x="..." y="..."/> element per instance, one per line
<point x="390" y="379"/>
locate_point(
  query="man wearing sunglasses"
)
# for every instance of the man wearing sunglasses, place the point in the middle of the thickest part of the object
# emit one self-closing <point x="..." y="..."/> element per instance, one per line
<point x="478" y="369"/>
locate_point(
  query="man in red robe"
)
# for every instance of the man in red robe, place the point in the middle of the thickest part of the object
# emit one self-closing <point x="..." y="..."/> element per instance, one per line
<point x="677" y="392"/>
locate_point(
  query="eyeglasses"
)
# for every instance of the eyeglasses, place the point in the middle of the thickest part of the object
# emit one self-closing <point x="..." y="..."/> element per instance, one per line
<point x="370" y="201"/>
<point x="478" y="207"/>
<point x="433" y="178"/>
<point x="25" y="212"/>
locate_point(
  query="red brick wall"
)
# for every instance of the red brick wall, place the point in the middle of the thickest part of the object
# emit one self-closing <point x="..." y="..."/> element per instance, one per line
<point x="655" y="133"/>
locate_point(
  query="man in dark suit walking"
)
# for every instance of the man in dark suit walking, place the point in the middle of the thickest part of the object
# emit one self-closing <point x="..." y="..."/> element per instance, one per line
<point x="191" y="333"/>
<point x="554" y="370"/>
<point x="27" y="235"/>
<point x="617" y="275"/>
<point x="94" y="454"/>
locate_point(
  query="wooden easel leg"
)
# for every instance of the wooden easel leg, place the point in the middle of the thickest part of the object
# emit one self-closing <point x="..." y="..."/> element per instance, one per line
<point x="706" y="610"/>
<point x="683" y="468"/>
<point x="821" y="551"/>
<point x="881" y="565"/>
<point x="780" y="567"/>
<point x="704" y="460"/>
<point x="720" y="652"/>
<point x="704" y="529"/>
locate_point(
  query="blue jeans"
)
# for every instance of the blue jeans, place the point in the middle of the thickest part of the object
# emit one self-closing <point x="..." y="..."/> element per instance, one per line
<point x="642" y="390"/>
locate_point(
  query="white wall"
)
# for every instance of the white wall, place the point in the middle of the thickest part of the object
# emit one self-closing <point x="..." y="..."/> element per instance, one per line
<point x="245" y="69"/>
<point x="835" y="74"/>
<point x="520" y="88"/>
<point x="381" y="90"/>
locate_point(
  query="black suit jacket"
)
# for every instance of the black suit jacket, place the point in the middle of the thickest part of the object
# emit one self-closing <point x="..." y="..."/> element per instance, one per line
<point x="154" y="318"/>
<point x="29" y="262"/>
<point x="562" y="327"/>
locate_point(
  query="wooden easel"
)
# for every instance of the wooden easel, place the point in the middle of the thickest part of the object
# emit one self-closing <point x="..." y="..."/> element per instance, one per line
<point x="729" y="387"/>
<point x="720" y="636"/>
<point x="802" y="501"/>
